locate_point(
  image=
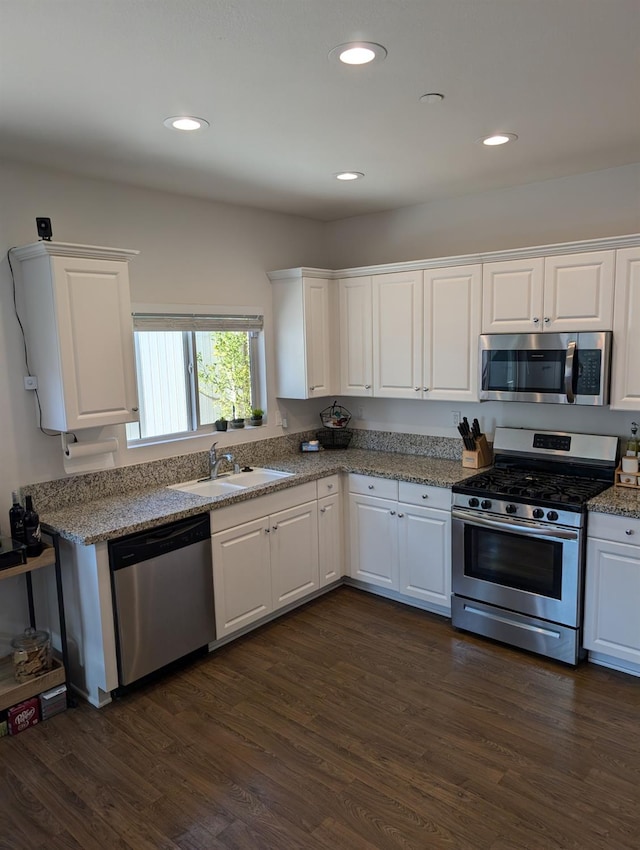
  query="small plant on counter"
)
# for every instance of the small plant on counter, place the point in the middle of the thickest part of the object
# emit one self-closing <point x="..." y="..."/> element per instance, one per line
<point x="221" y="424"/>
<point x="237" y="421"/>
<point x="256" y="416"/>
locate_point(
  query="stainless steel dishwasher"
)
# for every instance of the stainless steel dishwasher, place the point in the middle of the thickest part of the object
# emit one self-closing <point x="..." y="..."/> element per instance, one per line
<point x="162" y="584"/>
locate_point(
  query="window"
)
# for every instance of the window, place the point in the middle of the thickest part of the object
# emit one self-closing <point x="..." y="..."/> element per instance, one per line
<point x="193" y="369"/>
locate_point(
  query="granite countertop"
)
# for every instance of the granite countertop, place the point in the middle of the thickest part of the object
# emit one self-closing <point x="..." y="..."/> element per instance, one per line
<point x="89" y="522"/>
<point x="619" y="501"/>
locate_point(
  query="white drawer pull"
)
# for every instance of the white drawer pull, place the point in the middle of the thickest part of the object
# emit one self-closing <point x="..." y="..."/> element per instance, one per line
<point x="629" y="531"/>
<point x="371" y="486"/>
<point x="393" y="513"/>
<point x="400" y="515"/>
<point x="329" y="486"/>
<point x="425" y="495"/>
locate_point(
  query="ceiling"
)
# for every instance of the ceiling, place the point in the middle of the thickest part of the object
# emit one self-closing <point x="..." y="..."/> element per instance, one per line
<point x="86" y="84"/>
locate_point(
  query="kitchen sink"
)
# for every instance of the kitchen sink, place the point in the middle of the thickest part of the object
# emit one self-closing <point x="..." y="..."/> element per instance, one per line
<point x="257" y="476"/>
<point x="227" y="484"/>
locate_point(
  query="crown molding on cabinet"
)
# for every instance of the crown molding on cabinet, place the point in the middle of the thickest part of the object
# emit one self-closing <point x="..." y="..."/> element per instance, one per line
<point x="608" y="243"/>
<point x="68" y="249"/>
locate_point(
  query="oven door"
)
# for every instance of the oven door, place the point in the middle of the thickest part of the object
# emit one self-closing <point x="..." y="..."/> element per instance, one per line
<point x="519" y="565"/>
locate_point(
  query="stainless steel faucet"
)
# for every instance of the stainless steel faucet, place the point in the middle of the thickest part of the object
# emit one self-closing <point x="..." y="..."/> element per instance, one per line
<point x="215" y="461"/>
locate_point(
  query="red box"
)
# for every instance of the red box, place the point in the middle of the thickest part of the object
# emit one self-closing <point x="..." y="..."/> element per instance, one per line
<point x="23" y="715"/>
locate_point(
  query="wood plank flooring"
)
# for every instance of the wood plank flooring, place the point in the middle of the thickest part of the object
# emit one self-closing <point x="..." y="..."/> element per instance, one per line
<point x="353" y="723"/>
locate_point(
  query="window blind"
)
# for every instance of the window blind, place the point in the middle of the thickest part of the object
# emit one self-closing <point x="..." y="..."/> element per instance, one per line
<point x="195" y="322"/>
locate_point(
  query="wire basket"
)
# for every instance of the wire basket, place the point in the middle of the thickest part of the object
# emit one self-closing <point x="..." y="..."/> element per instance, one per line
<point x="334" y="438"/>
<point x="335" y="416"/>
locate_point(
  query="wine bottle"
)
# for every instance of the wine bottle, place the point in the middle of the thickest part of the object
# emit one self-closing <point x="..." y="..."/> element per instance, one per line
<point x="632" y="442"/>
<point x="16" y="519"/>
<point x="31" y="529"/>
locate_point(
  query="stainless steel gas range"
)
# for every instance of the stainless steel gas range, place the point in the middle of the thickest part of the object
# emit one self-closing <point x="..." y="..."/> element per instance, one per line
<point x="519" y="535"/>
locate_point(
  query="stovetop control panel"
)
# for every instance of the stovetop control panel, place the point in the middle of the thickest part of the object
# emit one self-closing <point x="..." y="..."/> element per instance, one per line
<point x="554" y="442"/>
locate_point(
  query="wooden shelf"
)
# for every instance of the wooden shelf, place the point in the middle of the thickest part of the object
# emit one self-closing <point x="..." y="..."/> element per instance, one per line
<point x="11" y="692"/>
<point x="46" y="559"/>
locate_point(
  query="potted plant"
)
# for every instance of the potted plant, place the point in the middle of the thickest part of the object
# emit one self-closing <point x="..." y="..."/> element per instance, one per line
<point x="237" y="421"/>
<point x="221" y="424"/>
<point x="256" y="416"/>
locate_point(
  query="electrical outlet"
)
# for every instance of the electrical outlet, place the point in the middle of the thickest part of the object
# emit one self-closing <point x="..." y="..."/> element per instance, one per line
<point x="30" y="382"/>
<point x="360" y="412"/>
<point x="278" y="419"/>
<point x="456" y="418"/>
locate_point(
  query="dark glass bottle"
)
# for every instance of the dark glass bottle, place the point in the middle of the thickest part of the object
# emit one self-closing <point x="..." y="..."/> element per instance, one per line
<point x="16" y="519"/>
<point x="31" y="529"/>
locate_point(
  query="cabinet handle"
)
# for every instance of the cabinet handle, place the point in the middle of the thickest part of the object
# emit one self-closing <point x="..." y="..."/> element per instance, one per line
<point x="546" y="320"/>
<point x="629" y="531"/>
<point x="274" y="527"/>
<point x="425" y="389"/>
<point x="535" y="320"/>
<point x="425" y="495"/>
<point x="367" y="386"/>
<point x="393" y="513"/>
<point x="371" y="486"/>
<point x="267" y="531"/>
<point x="417" y="389"/>
<point x="329" y="486"/>
<point x="311" y="389"/>
<point x="135" y="409"/>
<point x="322" y="510"/>
<point x="400" y="515"/>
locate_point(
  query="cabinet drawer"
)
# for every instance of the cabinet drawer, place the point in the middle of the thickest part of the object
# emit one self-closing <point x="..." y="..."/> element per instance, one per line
<point x="369" y="485"/>
<point x="620" y="529"/>
<point x="424" y="495"/>
<point x="328" y="486"/>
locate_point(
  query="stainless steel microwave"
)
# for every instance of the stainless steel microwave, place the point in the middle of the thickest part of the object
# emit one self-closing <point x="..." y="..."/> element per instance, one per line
<point x="557" y="368"/>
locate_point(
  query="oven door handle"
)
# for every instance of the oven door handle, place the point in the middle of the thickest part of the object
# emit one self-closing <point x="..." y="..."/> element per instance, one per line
<point x="510" y="525"/>
<point x="569" y="368"/>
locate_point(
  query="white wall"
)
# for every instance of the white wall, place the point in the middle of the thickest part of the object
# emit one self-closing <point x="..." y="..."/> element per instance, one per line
<point x="191" y="252"/>
<point x="586" y="206"/>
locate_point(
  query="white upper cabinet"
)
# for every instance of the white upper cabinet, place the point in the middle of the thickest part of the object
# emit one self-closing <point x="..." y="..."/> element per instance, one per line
<point x="79" y="333"/>
<point x="397" y="335"/>
<point x="568" y="292"/>
<point x="305" y="335"/>
<point x="625" y="370"/>
<point x="356" y="336"/>
<point x="452" y="306"/>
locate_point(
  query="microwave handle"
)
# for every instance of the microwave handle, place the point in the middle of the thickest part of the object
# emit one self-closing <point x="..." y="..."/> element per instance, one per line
<point x="569" y="367"/>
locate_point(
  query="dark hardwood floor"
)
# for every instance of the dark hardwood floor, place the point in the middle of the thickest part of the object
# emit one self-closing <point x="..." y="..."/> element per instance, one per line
<point x="353" y="723"/>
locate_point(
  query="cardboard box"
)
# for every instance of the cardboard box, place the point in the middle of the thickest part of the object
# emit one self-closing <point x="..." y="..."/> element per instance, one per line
<point x="24" y="715"/>
<point x="52" y="702"/>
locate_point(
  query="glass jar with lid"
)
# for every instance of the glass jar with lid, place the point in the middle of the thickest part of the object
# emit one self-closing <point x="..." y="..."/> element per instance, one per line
<point x="31" y="655"/>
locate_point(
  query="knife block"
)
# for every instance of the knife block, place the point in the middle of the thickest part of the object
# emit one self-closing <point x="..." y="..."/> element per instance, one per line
<point x="481" y="457"/>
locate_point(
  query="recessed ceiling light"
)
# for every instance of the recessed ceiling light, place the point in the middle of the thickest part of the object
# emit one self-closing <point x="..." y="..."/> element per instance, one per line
<point x="498" y="139"/>
<point x="432" y="97"/>
<point x="186" y="123"/>
<point x="349" y="175"/>
<point x="358" y="52"/>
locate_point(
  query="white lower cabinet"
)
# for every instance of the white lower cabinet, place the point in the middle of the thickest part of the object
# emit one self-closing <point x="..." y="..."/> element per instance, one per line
<point x="611" y="622"/>
<point x="294" y="554"/>
<point x="330" y="539"/>
<point x="397" y="542"/>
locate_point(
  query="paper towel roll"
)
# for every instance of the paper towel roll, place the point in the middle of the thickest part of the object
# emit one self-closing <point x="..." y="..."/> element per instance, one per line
<point x="79" y="450"/>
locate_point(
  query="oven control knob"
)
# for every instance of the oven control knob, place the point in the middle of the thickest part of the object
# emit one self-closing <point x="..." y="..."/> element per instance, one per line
<point x="511" y="509"/>
<point x="538" y="513"/>
<point x="552" y="515"/>
<point x="485" y="503"/>
<point x="473" y="503"/>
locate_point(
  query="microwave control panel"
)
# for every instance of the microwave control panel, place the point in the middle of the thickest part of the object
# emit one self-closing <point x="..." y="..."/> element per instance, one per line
<point x="589" y="369"/>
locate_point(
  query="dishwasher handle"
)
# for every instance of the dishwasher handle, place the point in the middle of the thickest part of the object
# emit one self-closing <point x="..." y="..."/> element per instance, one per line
<point x="135" y="548"/>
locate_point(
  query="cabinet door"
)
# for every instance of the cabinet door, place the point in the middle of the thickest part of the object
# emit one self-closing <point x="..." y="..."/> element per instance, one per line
<point x="241" y="575"/>
<point x="512" y="296"/>
<point x="578" y="292"/>
<point x="625" y="374"/>
<point x="374" y="540"/>
<point x="452" y="307"/>
<point x="356" y="340"/>
<point x="294" y="554"/>
<point x="330" y="539"/>
<point x="397" y="335"/>
<point x="611" y="622"/>
<point x="81" y="340"/>
<point x="318" y="337"/>
<point x="424" y="554"/>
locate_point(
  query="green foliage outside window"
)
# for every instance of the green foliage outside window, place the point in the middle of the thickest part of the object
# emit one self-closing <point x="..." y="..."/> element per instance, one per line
<point x="225" y="377"/>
